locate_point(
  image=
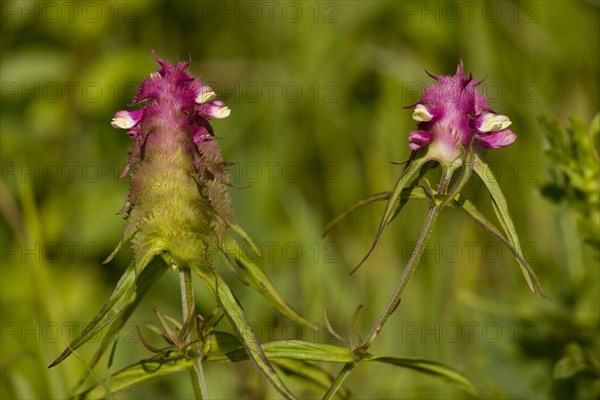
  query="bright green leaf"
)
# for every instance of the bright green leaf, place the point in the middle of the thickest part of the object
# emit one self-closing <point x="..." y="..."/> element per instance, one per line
<point x="233" y="311"/>
<point x="310" y="375"/>
<point x="501" y="209"/>
<point x="123" y="300"/>
<point x="261" y="283"/>
<point x="412" y="167"/>
<point x="138" y="373"/>
<point x="432" y="368"/>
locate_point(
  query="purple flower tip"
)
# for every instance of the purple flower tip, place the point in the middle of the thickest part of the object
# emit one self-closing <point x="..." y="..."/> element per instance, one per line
<point x="176" y="96"/>
<point x="451" y="113"/>
<point x="178" y="175"/>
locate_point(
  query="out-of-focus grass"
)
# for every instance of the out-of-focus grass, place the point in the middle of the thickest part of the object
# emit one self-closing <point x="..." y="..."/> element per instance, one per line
<point x="316" y="91"/>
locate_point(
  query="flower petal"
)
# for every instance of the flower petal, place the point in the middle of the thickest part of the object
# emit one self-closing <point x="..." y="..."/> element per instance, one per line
<point x="126" y="119"/>
<point x="422" y="114"/>
<point x="201" y="135"/>
<point x="205" y="94"/>
<point x="491" y="122"/>
<point x="134" y="132"/>
<point x="216" y="109"/>
<point x="418" y="139"/>
<point x="497" y="139"/>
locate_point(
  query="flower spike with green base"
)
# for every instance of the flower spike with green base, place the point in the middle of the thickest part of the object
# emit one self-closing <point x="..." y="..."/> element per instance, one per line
<point x="455" y="125"/>
<point x="178" y="208"/>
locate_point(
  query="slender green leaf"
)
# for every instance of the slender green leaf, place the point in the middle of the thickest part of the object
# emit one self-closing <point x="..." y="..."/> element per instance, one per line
<point x="233" y="266"/>
<point x="310" y="375"/>
<point x="222" y="343"/>
<point x="238" y="229"/>
<point x="123" y="300"/>
<point x="432" y="368"/>
<point x="413" y="192"/>
<point x="461" y="181"/>
<point x="460" y="203"/>
<point x="282" y="353"/>
<point x="309" y="351"/>
<point x="463" y="204"/>
<point x="293" y="349"/>
<point x="145" y="281"/>
<point x="359" y="204"/>
<point x="236" y="316"/>
<point x="261" y="283"/>
<point x="501" y="209"/>
<point x="138" y="373"/>
<point x="291" y="356"/>
<point x="393" y="202"/>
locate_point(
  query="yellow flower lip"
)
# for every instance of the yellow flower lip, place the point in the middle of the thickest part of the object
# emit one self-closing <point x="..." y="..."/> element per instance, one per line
<point x="126" y="119"/>
<point x="421" y="114"/>
<point x="206" y="94"/>
<point x="491" y="122"/>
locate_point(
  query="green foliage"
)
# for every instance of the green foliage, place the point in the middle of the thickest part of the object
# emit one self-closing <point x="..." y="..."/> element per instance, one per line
<point x="292" y="357"/>
<point x="575" y="171"/>
<point x="574" y="184"/>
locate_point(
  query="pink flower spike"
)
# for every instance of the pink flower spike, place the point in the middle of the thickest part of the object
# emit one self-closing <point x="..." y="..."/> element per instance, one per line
<point x="127" y="119"/>
<point x="418" y="139"/>
<point x="497" y="139"/>
<point x="451" y="113"/>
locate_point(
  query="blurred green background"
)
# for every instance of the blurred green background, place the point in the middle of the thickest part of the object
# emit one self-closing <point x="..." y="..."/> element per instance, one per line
<point x="316" y="91"/>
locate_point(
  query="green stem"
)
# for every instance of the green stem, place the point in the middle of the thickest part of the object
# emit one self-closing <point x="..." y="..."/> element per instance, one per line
<point x="339" y="380"/>
<point x="435" y="208"/>
<point x="187" y="305"/>
<point x="434" y="211"/>
<point x="394" y="300"/>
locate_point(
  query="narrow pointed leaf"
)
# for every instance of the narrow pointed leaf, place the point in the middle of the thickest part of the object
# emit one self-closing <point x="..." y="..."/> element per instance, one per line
<point x="310" y="375"/>
<point x="223" y="342"/>
<point x="123" y="300"/>
<point x="501" y="209"/>
<point x="460" y="203"/>
<point x="233" y="267"/>
<point x="283" y="354"/>
<point x="393" y="203"/>
<point x="432" y="368"/>
<point x="461" y="181"/>
<point x="293" y="349"/>
<point x="463" y="204"/>
<point x="146" y="280"/>
<point x="359" y="204"/>
<point x="309" y="351"/>
<point x="138" y="373"/>
<point x="238" y="319"/>
<point x="261" y="283"/>
<point x="413" y="192"/>
<point x="238" y="229"/>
